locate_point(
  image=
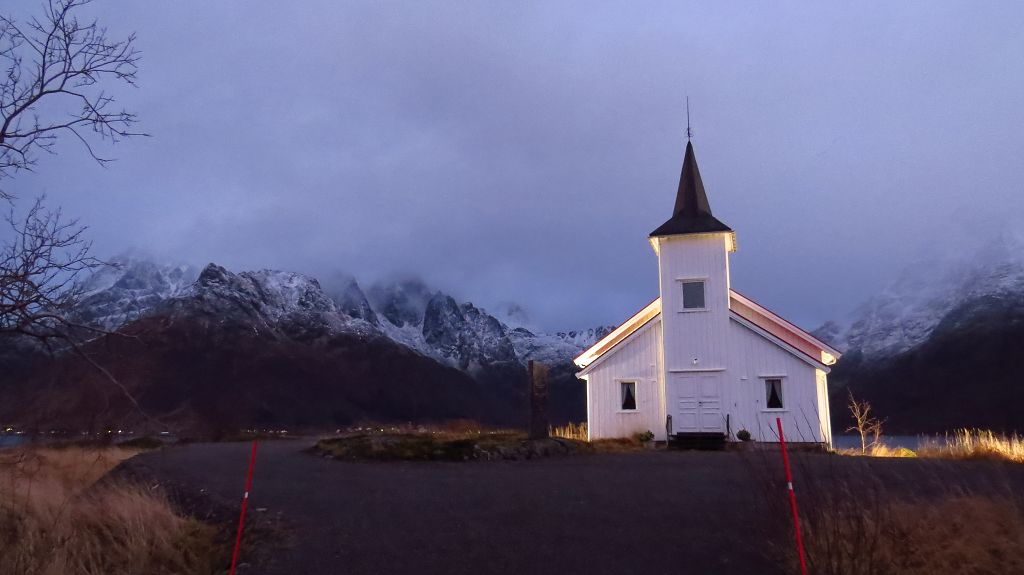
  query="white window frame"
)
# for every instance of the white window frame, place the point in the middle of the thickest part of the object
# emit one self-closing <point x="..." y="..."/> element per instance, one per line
<point x="682" y="298"/>
<point x="636" y="393"/>
<point x="782" y="392"/>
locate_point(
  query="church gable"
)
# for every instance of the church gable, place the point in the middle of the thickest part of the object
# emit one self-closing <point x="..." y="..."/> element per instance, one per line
<point x="754" y="316"/>
<point x="619" y="334"/>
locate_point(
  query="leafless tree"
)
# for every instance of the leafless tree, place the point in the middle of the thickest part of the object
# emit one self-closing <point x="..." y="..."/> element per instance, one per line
<point x="54" y="69"/>
<point x="59" y="61"/>
<point x="864" y="424"/>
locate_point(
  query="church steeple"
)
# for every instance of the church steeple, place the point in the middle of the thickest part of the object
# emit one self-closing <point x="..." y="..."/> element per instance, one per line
<point x="692" y="212"/>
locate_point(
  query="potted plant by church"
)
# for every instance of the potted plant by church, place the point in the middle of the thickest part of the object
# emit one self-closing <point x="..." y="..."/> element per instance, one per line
<point x="646" y="439"/>
<point x="744" y="440"/>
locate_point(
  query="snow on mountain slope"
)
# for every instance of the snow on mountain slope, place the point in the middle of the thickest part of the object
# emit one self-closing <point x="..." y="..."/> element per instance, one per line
<point x="129" y="288"/>
<point x="907" y="311"/>
<point x="286" y="303"/>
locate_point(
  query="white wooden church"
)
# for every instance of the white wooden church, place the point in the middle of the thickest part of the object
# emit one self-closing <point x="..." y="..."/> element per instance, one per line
<point x="702" y="358"/>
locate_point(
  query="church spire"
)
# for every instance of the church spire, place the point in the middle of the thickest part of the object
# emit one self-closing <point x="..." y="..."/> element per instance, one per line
<point x="692" y="212"/>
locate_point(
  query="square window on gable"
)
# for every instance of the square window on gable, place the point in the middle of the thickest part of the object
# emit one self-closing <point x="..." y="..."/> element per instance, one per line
<point x="693" y="294"/>
<point x="628" y="395"/>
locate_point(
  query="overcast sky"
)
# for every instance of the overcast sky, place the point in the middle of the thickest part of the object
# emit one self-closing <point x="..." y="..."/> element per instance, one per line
<point x="513" y="151"/>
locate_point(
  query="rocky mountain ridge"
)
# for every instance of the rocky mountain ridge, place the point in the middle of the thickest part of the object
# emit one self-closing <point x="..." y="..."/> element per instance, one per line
<point x="408" y="312"/>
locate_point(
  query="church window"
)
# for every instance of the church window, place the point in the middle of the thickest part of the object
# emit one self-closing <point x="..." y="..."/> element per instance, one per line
<point x="693" y="294"/>
<point x="628" y="395"/>
<point x="773" y="393"/>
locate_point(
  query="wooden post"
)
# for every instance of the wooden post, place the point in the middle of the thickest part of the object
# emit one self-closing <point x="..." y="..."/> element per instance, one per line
<point x="538" y="375"/>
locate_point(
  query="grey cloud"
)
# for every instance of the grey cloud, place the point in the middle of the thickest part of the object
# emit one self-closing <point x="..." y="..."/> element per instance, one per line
<point x="523" y="151"/>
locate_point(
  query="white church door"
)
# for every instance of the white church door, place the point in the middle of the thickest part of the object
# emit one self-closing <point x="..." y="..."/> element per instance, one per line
<point x="698" y="406"/>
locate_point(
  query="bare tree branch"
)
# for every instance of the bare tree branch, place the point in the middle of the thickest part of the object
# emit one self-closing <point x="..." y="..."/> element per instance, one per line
<point x="61" y="61"/>
<point x="39" y="271"/>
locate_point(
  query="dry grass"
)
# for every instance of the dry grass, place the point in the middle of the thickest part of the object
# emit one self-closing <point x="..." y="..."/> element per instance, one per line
<point x="578" y="432"/>
<point x="976" y="444"/>
<point x="857" y="520"/>
<point x="961" y="444"/>
<point x="54" y="520"/>
<point x="954" y="535"/>
<point x="574" y="431"/>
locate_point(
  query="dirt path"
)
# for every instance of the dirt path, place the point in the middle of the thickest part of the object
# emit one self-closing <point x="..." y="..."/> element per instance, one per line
<point x="685" y="512"/>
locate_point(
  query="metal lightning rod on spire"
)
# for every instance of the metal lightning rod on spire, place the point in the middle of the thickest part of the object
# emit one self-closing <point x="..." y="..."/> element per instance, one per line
<point x="689" y="132"/>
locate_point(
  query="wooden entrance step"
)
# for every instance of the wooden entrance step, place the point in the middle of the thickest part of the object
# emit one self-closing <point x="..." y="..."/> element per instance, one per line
<point x="706" y="441"/>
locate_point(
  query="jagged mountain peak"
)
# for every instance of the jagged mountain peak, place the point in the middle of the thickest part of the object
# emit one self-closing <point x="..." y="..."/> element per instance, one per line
<point x="127" y="288"/>
<point x="465" y="334"/>
<point x="214" y="275"/>
<point x="401" y="302"/>
<point x="513" y="315"/>
<point x="350" y="298"/>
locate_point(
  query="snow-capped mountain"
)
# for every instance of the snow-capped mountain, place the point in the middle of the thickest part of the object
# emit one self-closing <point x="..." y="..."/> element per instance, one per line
<point x="930" y="352"/>
<point x="288" y="304"/>
<point x="908" y="310"/>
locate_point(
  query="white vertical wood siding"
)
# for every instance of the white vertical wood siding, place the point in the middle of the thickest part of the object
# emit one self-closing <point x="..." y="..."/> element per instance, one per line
<point x="637" y="358"/>
<point x="754" y="358"/>
<point x="700" y="335"/>
<point x="824" y="413"/>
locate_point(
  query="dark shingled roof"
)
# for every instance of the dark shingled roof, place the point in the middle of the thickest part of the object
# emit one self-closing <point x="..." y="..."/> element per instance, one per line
<point x="692" y="214"/>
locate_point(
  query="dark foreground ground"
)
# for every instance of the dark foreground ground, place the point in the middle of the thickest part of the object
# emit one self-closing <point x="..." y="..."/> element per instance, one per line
<point x="655" y="512"/>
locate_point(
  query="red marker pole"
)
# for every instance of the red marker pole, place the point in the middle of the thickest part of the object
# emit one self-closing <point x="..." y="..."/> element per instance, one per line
<point x="245" y="504"/>
<point x="792" y="499"/>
